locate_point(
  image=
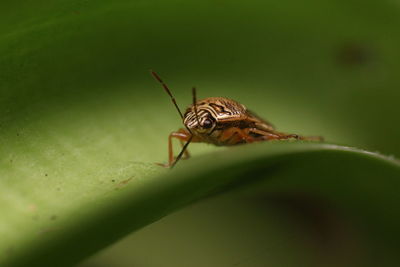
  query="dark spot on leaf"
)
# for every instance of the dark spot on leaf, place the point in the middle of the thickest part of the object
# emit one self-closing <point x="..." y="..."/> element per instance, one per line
<point x="123" y="183"/>
<point x="53" y="217"/>
<point x="354" y="54"/>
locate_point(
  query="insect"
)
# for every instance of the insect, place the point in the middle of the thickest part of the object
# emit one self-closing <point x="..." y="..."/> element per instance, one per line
<point x="220" y="121"/>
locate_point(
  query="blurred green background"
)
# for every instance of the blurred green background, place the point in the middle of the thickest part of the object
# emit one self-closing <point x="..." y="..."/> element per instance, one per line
<point x="77" y="97"/>
<point x="326" y="68"/>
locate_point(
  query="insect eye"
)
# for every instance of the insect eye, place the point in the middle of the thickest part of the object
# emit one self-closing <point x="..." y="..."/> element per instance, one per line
<point x="207" y="123"/>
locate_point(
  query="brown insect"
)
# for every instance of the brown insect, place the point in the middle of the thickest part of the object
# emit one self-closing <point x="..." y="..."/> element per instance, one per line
<point x="220" y="121"/>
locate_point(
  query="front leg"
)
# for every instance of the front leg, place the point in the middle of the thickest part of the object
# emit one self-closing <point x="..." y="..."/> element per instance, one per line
<point x="183" y="136"/>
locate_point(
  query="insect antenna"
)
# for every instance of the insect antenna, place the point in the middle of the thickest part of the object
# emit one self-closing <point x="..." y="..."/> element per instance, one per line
<point x="195" y="105"/>
<point x="182" y="151"/>
<point x="191" y="136"/>
<point x="155" y="75"/>
<point x="167" y="90"/>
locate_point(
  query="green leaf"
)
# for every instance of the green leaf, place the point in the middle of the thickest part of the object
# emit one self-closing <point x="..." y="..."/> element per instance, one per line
<point x="47" y="229"/>
<point x="82" y="122"/>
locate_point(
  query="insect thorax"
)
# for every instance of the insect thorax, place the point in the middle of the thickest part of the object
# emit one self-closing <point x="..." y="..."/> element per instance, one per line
<point x="214" y="110"/>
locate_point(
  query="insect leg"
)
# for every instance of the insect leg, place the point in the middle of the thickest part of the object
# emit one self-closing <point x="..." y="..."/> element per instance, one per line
<point x="185" y="138"/>
<point x="235" y="135"/>
<point x="299" y="137"/>
<point x="264" y="135"/>
<point x="184" y="148"/>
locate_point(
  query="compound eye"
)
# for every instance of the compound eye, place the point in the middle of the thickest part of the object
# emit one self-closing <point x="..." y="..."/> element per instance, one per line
<point x="207" y="123"/>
